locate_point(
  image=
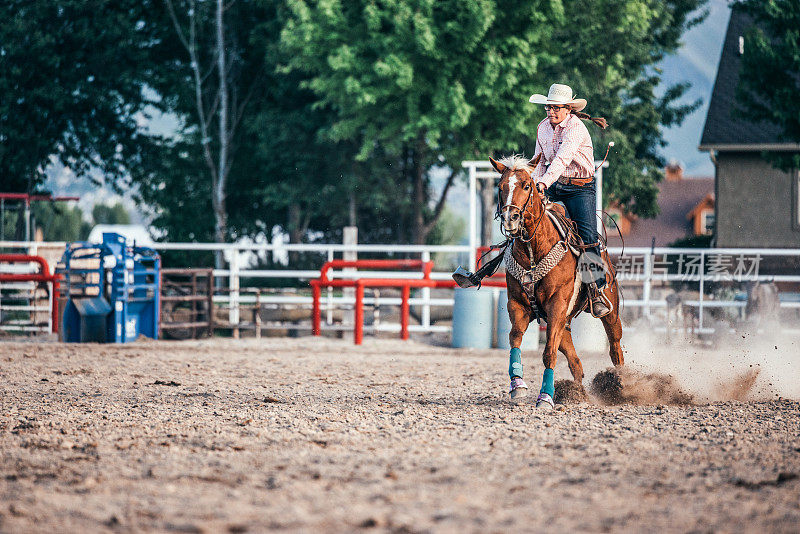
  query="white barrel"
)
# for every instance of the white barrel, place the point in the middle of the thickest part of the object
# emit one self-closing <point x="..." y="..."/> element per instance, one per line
<point x="530" y="341"/>
<point x="472" y="318"/>
<point x="588" y="334"/>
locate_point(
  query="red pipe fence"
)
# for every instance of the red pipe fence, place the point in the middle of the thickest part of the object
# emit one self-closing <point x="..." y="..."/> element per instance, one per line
<point x="404" y="284"/>
<point x="43" y="276"/>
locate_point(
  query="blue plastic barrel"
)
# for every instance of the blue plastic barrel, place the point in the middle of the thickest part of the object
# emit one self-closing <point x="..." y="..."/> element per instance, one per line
<point x="530" y="341"/>
<point x="472" y="318"/>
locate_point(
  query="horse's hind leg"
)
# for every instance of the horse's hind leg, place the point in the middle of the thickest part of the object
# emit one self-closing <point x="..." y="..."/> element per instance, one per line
<point x="567" y="348"/>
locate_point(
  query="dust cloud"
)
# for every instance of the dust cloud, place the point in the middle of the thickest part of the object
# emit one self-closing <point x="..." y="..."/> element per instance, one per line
<point x="737" y="366"/>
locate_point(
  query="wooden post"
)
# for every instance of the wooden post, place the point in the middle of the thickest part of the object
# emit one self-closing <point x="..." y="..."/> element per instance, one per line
<point x="257" y="315"/>
<point x="194" y="303"/>
<point x="210" y="302"/>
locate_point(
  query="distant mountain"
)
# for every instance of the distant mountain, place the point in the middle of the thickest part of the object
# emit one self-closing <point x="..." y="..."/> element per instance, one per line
<point x="61" y="181"/>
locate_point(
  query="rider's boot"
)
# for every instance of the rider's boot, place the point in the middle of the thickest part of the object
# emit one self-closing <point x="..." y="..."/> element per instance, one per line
<point x="599" y="305"/>
<point x="466" y="279"/>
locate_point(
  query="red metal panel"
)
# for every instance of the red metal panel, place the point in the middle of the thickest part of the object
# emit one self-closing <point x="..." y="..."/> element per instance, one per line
<point x="405" y="284"/>
<point x="42" y="276"/>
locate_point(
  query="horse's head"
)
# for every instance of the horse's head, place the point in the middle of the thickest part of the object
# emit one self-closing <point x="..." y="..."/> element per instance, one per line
<point x="517" y="193"/>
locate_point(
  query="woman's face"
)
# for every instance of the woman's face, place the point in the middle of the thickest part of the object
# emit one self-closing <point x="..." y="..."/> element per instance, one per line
<point x="556" y="114"/>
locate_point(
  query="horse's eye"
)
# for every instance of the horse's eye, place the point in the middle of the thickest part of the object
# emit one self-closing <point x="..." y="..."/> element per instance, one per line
<point x="527" y="187"/>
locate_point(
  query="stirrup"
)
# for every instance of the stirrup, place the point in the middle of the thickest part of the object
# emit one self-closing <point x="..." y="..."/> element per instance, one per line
<point x="464" y="278"/>
<point x="595" y="292"/>
<point x="545" y="401"/>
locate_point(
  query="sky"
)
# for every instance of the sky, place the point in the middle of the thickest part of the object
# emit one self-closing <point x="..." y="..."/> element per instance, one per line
<point x="696" y="62"/>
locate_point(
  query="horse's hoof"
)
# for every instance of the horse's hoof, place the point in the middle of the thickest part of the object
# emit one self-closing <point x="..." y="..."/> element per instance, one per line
<point x="518" y="388"/>
<point x="519" y="393"/>
<point x="545" y="402"/>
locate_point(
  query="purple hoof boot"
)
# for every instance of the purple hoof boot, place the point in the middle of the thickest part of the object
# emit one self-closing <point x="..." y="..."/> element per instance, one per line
<point x="518" y="388"/>
<point x="545" y="401"/>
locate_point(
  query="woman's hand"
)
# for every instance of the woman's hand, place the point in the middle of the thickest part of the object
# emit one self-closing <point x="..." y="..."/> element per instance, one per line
<point x="540" y="187"/>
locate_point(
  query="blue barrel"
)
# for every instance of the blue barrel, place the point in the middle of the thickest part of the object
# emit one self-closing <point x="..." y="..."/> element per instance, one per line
<point x="472" y="318"/>
<point x="530" y="341"/>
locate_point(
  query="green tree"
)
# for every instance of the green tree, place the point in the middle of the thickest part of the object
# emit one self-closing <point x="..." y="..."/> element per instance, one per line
<point x="73" y="76"/>
<point x="769" y="80"/>
<point x="412" y="80"/>
<point x="60" y="222"/>
<point x="431" y="83"/>
<point x="110" y="214"/>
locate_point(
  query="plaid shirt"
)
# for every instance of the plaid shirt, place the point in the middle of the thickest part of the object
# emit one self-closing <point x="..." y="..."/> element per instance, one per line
<point x="567" y="151"/>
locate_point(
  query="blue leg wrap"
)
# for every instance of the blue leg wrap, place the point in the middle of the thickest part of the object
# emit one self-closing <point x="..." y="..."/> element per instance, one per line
<point x="547" y="383"/>
<point x="515" y="363"/>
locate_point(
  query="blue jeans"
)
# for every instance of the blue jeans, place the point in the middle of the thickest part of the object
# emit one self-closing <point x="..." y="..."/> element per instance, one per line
<point x="581" y="204"/>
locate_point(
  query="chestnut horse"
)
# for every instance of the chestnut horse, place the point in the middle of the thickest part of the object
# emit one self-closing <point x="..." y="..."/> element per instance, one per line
<point x="560" y="294"/>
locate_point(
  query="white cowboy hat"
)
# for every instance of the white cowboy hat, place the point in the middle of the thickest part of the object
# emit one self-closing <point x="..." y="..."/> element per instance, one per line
<point x="559" y="94"/>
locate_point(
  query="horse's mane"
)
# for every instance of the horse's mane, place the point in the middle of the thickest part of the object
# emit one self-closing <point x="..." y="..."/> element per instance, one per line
<point x="516" y="162"/>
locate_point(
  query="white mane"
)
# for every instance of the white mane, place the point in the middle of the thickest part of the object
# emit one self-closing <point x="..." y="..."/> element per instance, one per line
<point x="516" y="162"/>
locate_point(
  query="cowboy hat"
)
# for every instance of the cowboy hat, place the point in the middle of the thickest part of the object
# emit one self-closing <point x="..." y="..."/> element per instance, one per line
<point x="559" y="94"/>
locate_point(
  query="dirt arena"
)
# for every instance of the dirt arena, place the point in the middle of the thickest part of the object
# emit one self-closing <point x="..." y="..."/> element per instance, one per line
<point x="317" y="435"/>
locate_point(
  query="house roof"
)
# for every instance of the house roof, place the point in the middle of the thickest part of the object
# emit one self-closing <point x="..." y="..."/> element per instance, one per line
<point x="724" y="130"/>
<point x="676" y="199"/>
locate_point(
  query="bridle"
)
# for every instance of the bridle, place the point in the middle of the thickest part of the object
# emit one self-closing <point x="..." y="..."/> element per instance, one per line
<point x="520" y="233"/>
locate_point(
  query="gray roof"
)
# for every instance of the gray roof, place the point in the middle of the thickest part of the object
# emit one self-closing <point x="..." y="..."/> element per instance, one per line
<point x="724" y="129"/>
<point x="675" y="200"/>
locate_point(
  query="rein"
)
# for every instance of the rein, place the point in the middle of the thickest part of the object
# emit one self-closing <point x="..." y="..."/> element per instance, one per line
<point x="539" y="270"/>
<point x="522" y="211"/>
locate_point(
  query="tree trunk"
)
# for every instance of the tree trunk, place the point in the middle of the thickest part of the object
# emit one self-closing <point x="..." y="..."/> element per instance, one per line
<point x="220" y="229"/>
<point x="220" y="215"/>
<point x="420" y="199"/>
<point x="296" y="226"/>
<point x="352" y="217"/>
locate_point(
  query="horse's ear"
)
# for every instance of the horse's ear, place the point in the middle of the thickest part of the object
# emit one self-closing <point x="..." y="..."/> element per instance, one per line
<point x="535" y="161"/>
<point x="499" y="167"/>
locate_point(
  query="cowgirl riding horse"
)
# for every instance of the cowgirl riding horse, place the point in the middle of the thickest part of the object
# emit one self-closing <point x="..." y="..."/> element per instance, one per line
<point x="563" y="170"/>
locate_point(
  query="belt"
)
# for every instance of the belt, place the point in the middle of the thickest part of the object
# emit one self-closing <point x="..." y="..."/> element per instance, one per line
<point x="575" y="181"/>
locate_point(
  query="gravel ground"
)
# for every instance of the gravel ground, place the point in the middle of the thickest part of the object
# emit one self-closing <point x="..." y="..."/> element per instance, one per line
<point x="318" y="435"/>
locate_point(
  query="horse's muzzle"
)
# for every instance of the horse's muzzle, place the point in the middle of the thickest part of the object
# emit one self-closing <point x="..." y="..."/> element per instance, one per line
<point x="512" y="220"/>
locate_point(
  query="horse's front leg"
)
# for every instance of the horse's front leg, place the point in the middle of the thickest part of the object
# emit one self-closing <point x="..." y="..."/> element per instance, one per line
<point x="520" y="317"/>
<point x="556" y="321"/>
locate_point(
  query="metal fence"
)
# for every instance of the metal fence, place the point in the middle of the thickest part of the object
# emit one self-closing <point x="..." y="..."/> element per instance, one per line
<point x="711" y="279"/>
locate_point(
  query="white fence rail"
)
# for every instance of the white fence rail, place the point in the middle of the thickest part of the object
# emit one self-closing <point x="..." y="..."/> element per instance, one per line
<point x="647" y="272"/>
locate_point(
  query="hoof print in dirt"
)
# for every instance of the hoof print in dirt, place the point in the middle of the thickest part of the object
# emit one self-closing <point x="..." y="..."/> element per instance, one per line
<point x="569" y="392"/>
<point x="623" y="385"/>
<point x="166" y="383"/>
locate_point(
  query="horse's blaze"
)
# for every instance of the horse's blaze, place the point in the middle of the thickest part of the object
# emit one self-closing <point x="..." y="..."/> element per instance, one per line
<point x="510" y="206"/>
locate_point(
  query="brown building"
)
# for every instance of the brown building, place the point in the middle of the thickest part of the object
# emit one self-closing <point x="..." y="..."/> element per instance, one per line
<point x="757" y="205"/>
<point x="686" y="210"/>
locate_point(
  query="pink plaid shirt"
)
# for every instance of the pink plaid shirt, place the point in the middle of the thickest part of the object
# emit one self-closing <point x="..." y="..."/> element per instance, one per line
<point x="566" y="151"/>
